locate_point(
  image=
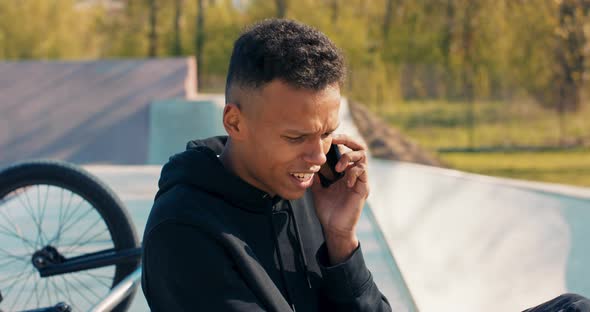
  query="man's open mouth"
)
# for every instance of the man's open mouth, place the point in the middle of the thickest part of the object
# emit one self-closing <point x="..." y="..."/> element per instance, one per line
<point x="302" y="176"/>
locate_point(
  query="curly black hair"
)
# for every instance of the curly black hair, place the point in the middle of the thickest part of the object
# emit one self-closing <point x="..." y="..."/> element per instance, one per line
<point x="295" y="53"/>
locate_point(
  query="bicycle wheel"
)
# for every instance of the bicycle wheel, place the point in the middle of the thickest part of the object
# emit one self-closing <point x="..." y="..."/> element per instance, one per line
<point x="59" y="211"/>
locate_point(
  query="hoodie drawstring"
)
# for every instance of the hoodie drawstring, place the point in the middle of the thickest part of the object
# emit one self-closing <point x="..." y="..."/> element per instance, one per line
<point x="301" y="250"/>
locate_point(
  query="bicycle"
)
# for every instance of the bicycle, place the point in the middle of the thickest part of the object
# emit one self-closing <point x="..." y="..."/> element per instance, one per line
<point x="64" y="235"/>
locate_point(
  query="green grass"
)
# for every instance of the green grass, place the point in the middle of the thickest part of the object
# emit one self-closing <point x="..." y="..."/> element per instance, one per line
<point x="565" y="166"/>
<point x="439" y="125"/>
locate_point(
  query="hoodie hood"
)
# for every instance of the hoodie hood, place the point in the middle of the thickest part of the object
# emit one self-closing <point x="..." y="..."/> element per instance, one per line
<point x="200" y="167"/>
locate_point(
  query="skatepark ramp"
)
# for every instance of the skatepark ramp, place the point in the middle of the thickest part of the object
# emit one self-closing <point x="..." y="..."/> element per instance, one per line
<point x="85" y="111"/>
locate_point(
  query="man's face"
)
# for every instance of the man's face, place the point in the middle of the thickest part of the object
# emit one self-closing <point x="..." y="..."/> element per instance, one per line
<point x="288" y="132"/>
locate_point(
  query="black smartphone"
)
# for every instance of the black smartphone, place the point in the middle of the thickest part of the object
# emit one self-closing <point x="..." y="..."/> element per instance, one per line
<point x="328" y="174"/>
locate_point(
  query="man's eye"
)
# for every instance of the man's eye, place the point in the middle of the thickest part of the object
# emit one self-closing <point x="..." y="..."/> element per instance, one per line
<point x="294" y="139"/>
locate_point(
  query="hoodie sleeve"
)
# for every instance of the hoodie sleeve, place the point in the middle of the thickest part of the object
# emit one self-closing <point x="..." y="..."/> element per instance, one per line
<point x="183" y="270"/>
<point x="349" y="286"/>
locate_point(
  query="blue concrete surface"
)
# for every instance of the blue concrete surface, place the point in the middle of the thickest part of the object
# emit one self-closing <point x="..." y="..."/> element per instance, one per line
<point x="466" y="242"/>
<point x="172" y="123"/>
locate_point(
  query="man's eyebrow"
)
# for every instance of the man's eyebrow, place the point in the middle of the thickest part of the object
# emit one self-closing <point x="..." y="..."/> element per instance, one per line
<point x="299" y="132"/>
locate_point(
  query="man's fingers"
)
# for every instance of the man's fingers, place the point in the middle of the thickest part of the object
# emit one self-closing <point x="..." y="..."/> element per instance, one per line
<point x="356" y="173"/>
<point x="348" y="142"/>
<point x="350" y="157"/>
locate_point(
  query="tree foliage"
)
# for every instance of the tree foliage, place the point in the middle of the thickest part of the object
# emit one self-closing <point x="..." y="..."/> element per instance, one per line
<point x="450" y="49"/>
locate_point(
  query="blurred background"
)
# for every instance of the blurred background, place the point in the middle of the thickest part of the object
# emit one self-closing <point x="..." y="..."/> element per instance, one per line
<point x="491" y="87"/>
<point x="497" y="87"/>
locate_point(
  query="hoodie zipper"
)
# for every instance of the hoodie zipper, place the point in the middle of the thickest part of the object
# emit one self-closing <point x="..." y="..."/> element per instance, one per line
<point x="291" y="215"/>
<point x="278" y="248"/>
<point x="301" y="249"/>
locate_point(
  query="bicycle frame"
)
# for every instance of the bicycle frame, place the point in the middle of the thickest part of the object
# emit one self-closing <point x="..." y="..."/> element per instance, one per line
<point x="113" y="298"/>
<point x="90" y="261"/>
<point x="119" y="292"/>
<point x="96" y="260"/>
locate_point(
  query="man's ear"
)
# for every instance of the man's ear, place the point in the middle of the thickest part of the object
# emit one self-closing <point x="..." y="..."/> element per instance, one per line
<point x="233" y="121"/>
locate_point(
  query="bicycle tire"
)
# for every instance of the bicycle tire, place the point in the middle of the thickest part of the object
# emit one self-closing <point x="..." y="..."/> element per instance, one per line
<point x="66" y="176"/>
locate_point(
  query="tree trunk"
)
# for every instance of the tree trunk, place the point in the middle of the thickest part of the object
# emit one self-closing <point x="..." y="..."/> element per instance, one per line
<point x="200" y="41"/>
<point x="570" y="53"/>
<point x="570" y="57"/>
<point x="152" y="35"/>
<point x="387" y="19"/>
<point x="469" y="68"/>
<point x="445" y="47"/>
<point x="281" y="8"/>
<point x="335" y="4"/>
<point x="177" y="45"/>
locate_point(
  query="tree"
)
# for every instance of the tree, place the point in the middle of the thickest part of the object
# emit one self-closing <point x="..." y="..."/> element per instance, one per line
<point x="470" y="9"/>
<point x="177" y="45"/>
<point x="335" y="10"/>
<point x="570" y="58"/>
<point x="200" y="41"/>
<point x="387" y="19"/>
<point x="281" y="8"/>
<point x="153" y="31"/>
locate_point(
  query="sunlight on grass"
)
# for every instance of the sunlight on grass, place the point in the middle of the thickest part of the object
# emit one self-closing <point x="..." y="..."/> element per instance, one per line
<point x="566" y="167"/>
<point x="439" y="125"/>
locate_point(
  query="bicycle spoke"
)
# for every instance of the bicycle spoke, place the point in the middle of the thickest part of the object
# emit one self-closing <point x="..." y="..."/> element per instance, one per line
<point x="27" y="205"/>
<point x="15" y="276"/>
<point x="86" y="286"/>
<point x="16" y="280"/>
<point x="61" y="224"/>
<point x="65" y="217"/>
<point x="37" y="242"/>
<point x="98" y="280"/>
<point x="5" y="231"/>
<point x="67" y="225"/>
<point x="2" y="264"/>
<point x="43" y="213"/>
<point x="79" y="244"/>
<point x="90" y="228"/>
<point x="37" y="293"/>
<point x="30" y="296"/>
<point x="57" y="236"/>
<point x="82" y="295"/>
<point x="107" y="277"/>
<point x="17" y="230"/>
<point x="21" y="290"/>
<point x="48" y="292"/>
<point x="38" y="215"/>
<point x="42" y="292"/>
<point x="68" y="293"/>
<point x="60" y="291"/>
<point x="11" y="255"/>
<point x="39" y="231"/>
<point x="73" y="214"/>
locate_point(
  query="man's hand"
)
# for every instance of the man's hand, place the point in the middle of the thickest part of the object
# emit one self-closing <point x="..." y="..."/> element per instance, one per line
<point x="339" y="206"/>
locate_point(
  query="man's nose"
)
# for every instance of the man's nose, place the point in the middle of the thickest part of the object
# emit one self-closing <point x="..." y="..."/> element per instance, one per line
<point x="316" y="152"/>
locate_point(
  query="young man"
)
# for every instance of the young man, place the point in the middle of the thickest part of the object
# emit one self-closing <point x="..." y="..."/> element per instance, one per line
<point x="242" y="223"/>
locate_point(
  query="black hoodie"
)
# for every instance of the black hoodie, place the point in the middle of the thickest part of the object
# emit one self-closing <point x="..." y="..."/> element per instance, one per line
<point x="215" y="243"/>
